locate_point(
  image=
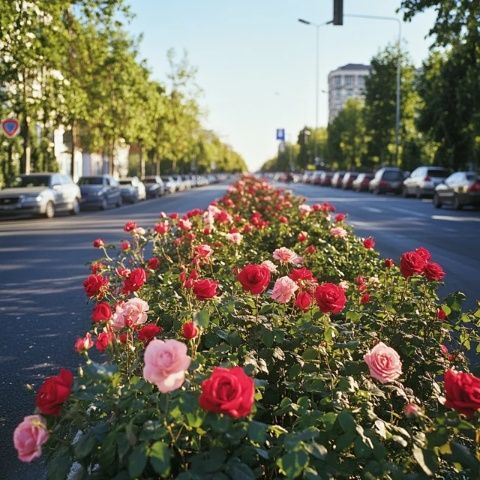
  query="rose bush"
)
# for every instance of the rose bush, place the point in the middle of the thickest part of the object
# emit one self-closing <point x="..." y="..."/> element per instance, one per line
<point x="284" y="347"/>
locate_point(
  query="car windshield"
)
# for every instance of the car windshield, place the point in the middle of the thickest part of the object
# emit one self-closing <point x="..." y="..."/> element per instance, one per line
<point x="150" y="180"/>
<point x="31" y="181"/>
<point x="165" y="179"/>
<point x="392" y="175"/>
<point x="91" y="181"/>
<point x="125" y="182"/>
<point x="432" y="172"/>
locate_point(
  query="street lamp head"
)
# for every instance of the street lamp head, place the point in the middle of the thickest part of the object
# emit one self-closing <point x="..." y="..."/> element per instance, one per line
<point x="306" y="22"/>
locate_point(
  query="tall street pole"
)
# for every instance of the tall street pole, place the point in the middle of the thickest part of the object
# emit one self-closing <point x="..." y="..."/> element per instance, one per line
<point x="317" y="75"/>
<point x="398" y="79"/>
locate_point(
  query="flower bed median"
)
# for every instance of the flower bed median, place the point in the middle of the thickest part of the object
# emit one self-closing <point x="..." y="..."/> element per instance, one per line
<point x="261" y="338"/>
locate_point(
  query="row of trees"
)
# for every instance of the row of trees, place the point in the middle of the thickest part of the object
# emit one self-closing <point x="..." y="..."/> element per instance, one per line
<point x="440" y="104"/>
<point x="70" y="63"/>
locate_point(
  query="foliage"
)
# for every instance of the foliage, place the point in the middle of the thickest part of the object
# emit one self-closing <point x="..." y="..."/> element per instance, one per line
<point x="318" y="413"/>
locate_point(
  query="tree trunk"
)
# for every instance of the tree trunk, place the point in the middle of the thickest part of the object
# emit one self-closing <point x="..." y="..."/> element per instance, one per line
<point x="157" y="165"/>
<point x="141" y="161"/>
<point x="72" y="151"/>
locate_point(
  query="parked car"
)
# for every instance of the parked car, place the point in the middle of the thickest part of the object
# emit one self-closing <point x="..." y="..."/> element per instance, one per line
<point x="132" y="189"/>
<point x="316" y="177"/>
<point x="154" y="186"/>
<point x="170" y="184"/>
<point x="41" y="194"/>
<point x="337" y="179"/>
<point x="100" y="191"/>
<point x="387" y="180"/>
<point x="458" y="190"/>
<point x="348" y="179"/>
<point x="326" y="179"/>
<point x="180" y="183"/>
<point x="360" y="184"/>
<point x="423" y="180"/>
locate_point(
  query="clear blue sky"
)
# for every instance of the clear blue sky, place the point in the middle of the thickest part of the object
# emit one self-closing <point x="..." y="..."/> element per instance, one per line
<point x="256" y="63"/>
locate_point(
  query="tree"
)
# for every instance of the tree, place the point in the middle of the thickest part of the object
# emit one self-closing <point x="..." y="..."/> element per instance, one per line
<point x="380" y="104"/>
<point x="346" y="146"/>
<point x="310" y="140"/>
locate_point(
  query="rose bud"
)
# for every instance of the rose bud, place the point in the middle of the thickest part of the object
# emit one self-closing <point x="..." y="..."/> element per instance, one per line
<point x="190" y="330"/>
<point x="125" y="245"/>
<point x="369" y="243"/>
<point x="98" y="243"/>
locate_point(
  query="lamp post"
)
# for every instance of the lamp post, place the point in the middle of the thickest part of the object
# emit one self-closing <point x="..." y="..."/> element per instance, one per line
<point x="317" y="60"/>
<point x="399" y="61"/>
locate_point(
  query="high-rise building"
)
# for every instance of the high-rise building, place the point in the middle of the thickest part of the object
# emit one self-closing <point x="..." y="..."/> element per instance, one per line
<point x="344" y="83"/>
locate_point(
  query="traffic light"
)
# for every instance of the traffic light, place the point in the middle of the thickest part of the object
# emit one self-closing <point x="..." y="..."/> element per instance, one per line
<point x="338" y="12"/>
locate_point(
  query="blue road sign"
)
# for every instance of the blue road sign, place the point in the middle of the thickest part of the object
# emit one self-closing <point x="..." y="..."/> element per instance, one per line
<point x="281" y="134"/>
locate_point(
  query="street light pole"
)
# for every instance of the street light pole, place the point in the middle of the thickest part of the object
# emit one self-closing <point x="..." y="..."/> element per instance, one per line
<point x="398" y="79"/>
<point x="317" y="74"/>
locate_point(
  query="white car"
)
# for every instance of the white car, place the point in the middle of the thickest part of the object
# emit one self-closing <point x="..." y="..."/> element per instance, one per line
<point x="132" y="189"/>
<point x="41" y="194"/>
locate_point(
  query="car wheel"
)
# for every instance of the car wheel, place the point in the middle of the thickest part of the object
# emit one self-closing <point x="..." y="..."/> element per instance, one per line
<point x="436" y="201"/>
<point x="376" y="191"/>
<point x="75" y="210"/>
<point x="49" y="210"/>
<point x="104" y="204"/>
<point x="405" y="192"/>
<point x="456" y="203"/>
<point x="119" y="202"/>
<point x="418" y="193"/>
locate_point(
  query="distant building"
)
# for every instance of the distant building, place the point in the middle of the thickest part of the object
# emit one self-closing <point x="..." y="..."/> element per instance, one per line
<point x="344" y="83"/>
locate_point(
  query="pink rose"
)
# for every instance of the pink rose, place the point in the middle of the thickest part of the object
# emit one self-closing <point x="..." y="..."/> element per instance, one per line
<point x="29" y="436"/>
<point x="304" y="209"/>
<point x="284" y="289"/>
<point x="203" y="251"/>
<point x="270" y="265"/>
<point x="235" y="238"/>
<point x="165" y="364"/>
<point x="82" y="344"/>
<point x="384" y="363"/>
<point x="284" y="255"/>
<point x="338" y="232"/>
<point x="127" y="314"/>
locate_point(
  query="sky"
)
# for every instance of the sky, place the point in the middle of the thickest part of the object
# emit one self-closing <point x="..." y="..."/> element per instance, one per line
<point x="256" y="62"/>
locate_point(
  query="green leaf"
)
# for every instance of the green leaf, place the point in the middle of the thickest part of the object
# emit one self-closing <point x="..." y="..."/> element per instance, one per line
<point x="292" y="464"/>
<point x="419" y="457"/>
<point x="310" y="354"/>
<point x="209" y="461"/>
<point x="137" y="461"/>
<point x="202" y="318"/>
<point x="84" y="446"/>
<point x="160" y="455"/>
<point x="237" y="470"/>
<point x="60" y="464"/>
<point x="257" y="431"/>
<point x="346" y="421"/>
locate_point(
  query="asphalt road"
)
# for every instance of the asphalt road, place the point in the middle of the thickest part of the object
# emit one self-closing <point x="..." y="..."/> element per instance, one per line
<point x="400" y="224"/>
<point x="42" y="266"/>
<point x="43" y="308"/>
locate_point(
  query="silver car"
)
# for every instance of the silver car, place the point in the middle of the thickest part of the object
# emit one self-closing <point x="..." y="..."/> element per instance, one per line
<point x="41" y="194"/>
<point x="423" y="180"/>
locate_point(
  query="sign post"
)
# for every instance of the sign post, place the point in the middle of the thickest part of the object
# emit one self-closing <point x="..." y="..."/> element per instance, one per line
<point x="280" y="134"/>
<point x="10" y="127"/>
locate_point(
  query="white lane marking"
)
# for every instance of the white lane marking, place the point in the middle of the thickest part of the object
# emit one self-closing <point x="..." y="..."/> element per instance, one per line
<point x="408" y="212"/>
<point x="372" y="209"/>
<point x="449" y="218"/>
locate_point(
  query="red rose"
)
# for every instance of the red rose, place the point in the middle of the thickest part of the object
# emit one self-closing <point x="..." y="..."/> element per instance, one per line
<point x="434" y="272"/>
<point x="129" y="226"/>
<point x="173" y="215"/>
<point x="462" y="392"/>
<point x="148" y="332"/>
<point x="229" y="391"/>
<point x="54" y="392"/>
<point x="94" y="284"/>
<point x="104" y="339"/>
<point x="365" y="298"/>
<point x="134" y="281"/>
<point x="330" y="298"/>
<point x="205" y="289"/>
<point x="412" y="263"/>
<point x="125" y="245"/>
<point x="369" y="243"/>
<point x="423" y="252"/>
<point x="283" y="219"/>
<point x="98" y="243"/>
<point x="441" y="315"/>
<point x="311" y="249"/>
<point x="101" y="312"/>
<point x="389" y="263"/>
<point x="304" y="300"/>
<point x="340" y="217"/>
<point x="189" y="330"/>
<point x="302" y="236"/>
<point x="153" y="263"/>
<point x="254" y="278"/>
<point x="298" y="274"/>
<point x="161" y="228"/>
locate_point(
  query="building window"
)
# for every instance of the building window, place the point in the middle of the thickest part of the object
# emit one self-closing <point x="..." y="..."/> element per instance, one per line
<point x="337" y="81"/>
<point x="361" y="81"/>
<point x="349" y="81"/>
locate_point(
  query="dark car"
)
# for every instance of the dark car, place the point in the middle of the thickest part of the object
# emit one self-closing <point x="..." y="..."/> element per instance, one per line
<point x="423" y="180"/>
<point x="154" y="186"/>
<point x="361" y="183"/>
<point x="348" y="179"/>
<point x="337" y="179"/>
<point x="40" y="194"/>
<point x="99" y="191"/>
<point x="458" y="190"/>
<point x="326" y="179"/>
<point x="387" y="180"/>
